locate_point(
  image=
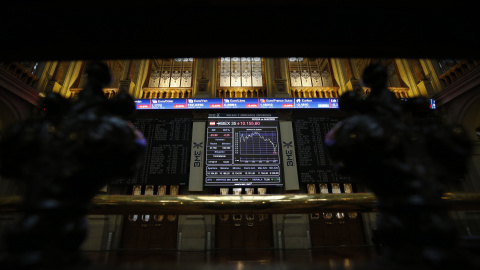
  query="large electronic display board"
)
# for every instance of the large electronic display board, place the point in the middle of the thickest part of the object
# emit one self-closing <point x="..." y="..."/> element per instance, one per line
<point x="242" y="150"/>
<point x="167" y="159"/>
<point x="314" y="165"/>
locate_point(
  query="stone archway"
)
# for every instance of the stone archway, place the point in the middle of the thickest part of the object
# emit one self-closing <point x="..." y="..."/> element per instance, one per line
<point x="12" y="109"/>
<point x="470" y="119"/>
<point x="9" y="111"/>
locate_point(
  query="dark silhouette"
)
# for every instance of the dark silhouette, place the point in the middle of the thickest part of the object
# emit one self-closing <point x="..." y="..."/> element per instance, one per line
<point x="404" y="155"/>
<point x="63" y="155"/>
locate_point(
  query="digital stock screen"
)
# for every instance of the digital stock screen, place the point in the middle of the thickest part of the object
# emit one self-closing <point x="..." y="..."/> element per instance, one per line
<point x="242" y="150"/>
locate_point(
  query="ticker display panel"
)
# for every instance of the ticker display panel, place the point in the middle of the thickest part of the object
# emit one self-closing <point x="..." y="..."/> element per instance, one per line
<point x="241" y="103"/>
<point x="167" y="159"/>
<point x="236" y="103"/>
<point x="314" y="165"/>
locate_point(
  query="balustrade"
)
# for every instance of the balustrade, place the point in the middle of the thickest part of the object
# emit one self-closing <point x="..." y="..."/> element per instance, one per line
<point x="315" y="92"/>
<point x="244" y="92"/>
<point x="109" y="92"/>
<point x="20" y="72"/>
<point x="156" y="92"/>
<point x="400" y="92"/>
<point x="458" y="71"/>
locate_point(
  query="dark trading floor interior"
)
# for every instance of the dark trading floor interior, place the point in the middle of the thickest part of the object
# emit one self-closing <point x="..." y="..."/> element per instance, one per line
<point x="330" y="257"/>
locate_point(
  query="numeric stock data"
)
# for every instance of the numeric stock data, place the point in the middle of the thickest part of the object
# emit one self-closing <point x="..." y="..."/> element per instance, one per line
<point x="242" y="150"/>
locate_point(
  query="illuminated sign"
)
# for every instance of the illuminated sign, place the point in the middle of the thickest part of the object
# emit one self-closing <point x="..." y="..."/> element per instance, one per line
<point x="242" y="150"/>
<point x="241" y="103"/>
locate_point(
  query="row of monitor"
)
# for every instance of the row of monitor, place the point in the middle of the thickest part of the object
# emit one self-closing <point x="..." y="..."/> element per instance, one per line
<point x="236" y="147"/>
<point x="241" y="103"/>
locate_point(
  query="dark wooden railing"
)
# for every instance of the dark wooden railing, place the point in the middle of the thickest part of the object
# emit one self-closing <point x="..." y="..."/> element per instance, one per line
<point x="20" y="72"/>
<point x="458" y="71"/>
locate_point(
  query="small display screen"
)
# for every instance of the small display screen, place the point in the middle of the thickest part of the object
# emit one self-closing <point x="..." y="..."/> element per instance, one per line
<point x="242" y="150"/>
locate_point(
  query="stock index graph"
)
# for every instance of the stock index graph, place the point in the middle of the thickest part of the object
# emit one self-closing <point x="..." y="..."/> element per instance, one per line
<point x="242" y="150"/>
<point x="256" y="145"/>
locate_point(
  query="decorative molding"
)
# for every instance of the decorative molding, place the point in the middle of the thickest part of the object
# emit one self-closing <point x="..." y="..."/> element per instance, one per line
<point x="406" y="75"/>
<point x="244" y="92"/>
<point x="109" y="92"/>
<point x="166" y="92"/>
<point x="459" y="87"/>
<point x="53" y="86"/>
<point x="314" y="92"/>
<point x="431" y="72"/>
<point x="202" y="85"/>
<point x="339" y="75"/>
<point x="201" y="88"/>
<point x="126" y="86"/>
<point x="17" y="87"/>
<point x="281" y="88"/>
<point x="353" y="84"/>
<point x="425" y="87"/>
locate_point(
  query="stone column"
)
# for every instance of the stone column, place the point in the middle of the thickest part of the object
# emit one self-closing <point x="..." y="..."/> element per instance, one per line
<point x="204" y="74"/>
<point x="141" y="79"/>
<point x="54" y="85"/>
<point x="338" y="74"/>
<point x="126" y="86"/>
<point x="281" y="82"/>
<point x="353" y="82"/>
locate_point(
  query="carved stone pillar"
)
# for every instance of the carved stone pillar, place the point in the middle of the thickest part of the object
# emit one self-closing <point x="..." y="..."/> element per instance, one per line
<point x="281" y="88"/>
<point x="202" y="88"/>
<point x="426" y="88"/>
<point x="53" y="84"/>
<point x="59" y="71"/>
<point x="126" y="86"/>
<point x="53" y="87"/>
<point x="353" y="84"/>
